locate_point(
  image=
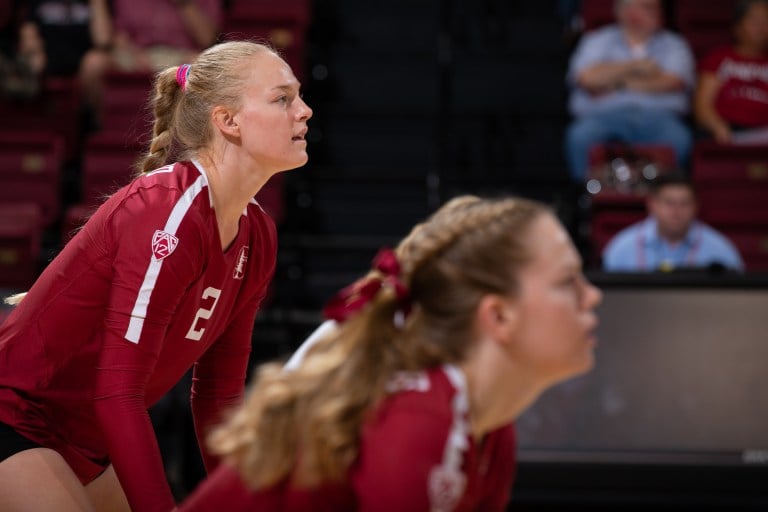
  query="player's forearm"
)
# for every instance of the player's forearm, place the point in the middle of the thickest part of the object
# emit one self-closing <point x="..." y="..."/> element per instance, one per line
<point x="199" y="25"/>
<point x="135" y="454"/>
<point x="101" y="24"/>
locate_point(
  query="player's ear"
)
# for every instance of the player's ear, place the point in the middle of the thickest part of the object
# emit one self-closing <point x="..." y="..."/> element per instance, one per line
<point x="497" y="318"/>
<point x="224" y="119"/>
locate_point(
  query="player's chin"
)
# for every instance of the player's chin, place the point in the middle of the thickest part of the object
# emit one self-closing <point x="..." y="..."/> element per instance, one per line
<point x="298" y="161"/>
<point x="584" y="362"/>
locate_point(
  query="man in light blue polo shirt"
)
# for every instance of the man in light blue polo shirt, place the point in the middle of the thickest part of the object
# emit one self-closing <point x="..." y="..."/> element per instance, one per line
<point x="670" y="237"/>
<point x="630" y="82"/>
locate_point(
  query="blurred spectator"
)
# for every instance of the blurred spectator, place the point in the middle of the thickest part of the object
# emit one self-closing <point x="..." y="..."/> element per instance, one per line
<point x="732" y="95"/>
<point x="57" y="33"/>
<point x="670" y="237"/>
<point x="151" y="35"/>
<point x="630" y="83"/>
<point x="54" y="36"/>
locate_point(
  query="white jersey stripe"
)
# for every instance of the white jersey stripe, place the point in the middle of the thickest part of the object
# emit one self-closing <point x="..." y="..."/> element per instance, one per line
<point x="139" y="312"/>
<point x="457" y="443"/>
<point x="447" y="482"/>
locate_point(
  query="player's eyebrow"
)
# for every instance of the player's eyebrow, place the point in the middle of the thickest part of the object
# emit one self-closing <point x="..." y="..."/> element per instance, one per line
<point x="287" y="88"/>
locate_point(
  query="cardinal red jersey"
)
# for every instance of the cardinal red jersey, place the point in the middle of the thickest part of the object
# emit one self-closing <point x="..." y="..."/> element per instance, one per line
<point x="416" y="454"/>
<point x="141" y="293"/>
<point x="743" y="95"/>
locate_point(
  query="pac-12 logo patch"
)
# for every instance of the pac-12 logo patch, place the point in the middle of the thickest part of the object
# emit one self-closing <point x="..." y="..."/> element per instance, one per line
<point x="242" y="259"/>
<point x="163" y="244"/>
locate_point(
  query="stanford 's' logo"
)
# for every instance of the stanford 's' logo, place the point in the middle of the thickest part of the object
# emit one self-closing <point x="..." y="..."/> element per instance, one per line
<point x="163" y="244"/>
<point x="242" y="258"/>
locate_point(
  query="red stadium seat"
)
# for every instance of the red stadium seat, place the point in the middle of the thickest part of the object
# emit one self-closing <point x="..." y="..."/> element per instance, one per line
<point x="606" y="223"/>
<point x="74" y="218"/>
<point x="637" y="157"/>
<point x="108" y="161"/>
<point x="719" y="164"/>
<point x="706" y="25"/>
<point x="732" y="183"/>
<point x="30" y="170"/>
<point x="660" y="154"/>
<point x="126" y="105"/>
<point x="20" y="233"/>
<point x="282" y="23"/>
<point x="753" y="246"/>
<point x="596" y="13"/>
<point x="732" y="186"/>
<point x="56" y="110"/>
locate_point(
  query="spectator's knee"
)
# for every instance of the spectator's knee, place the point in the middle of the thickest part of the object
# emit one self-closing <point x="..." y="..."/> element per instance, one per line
<point x="94" y="64"/>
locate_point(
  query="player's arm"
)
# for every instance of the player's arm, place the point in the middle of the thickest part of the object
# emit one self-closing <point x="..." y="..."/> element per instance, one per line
<point x="218" y="378"/>
<point x="145" y="294"/>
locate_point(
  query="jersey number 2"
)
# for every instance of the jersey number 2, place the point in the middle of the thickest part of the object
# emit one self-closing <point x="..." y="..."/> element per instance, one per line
<point x="195" y="332"/>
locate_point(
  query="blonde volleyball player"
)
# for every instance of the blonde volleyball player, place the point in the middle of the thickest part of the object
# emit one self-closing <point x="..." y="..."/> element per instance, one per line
<point x="167" y="274"/>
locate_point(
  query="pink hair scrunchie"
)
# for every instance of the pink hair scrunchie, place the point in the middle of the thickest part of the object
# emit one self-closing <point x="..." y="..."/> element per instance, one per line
<point x="181" y="76"/>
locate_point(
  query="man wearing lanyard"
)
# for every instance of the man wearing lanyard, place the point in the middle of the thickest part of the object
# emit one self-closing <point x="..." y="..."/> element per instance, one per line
<point x="670" y="237"/>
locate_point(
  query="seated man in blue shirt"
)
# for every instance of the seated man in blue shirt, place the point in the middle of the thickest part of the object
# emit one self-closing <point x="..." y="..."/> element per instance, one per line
<point x="670" y="237"/>
<point x="629" y="82"/>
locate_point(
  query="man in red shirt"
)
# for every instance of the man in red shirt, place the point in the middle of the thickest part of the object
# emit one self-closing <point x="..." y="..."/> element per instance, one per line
<point x="168" y="273"/>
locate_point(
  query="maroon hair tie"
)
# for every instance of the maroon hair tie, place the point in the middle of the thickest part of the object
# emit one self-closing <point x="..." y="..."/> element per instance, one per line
<point x="354" y="297"/>
<point x="181" y="76"/>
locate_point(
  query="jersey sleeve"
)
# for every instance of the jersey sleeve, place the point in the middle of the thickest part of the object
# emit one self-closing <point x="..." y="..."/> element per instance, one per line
<point x="397" y="455"/>
<point x="218" y="378"/>
<point x="145" y="293"/>
<point x="219" y="375"/>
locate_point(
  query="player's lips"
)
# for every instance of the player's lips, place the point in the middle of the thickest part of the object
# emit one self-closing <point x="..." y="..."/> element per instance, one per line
<point x="301" y="135"/>
<point x="590" y="330"/>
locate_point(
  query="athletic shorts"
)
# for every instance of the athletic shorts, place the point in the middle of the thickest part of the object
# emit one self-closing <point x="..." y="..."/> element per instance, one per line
<point x="11" y="442"/>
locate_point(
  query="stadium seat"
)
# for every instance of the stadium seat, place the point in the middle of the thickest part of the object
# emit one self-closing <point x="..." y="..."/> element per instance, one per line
<point x="704" y="27"/>
<point x="126" y="105"/>
<point x="596" y="13"/>
<point x="719" y="164"/>
<point x="732" y="183"/>
<point x="108" y="160"/>
<point x="55" y="110"/>
<point x="606" y="223"/>
<point x="732" y="186"/>
<point x="636" y="157"/>
<point x="74" y="218"/>
<point x="20" y="242"/>
<point x="282" y="23"/>
<point x="30" y="170"/>
<point x="753" y="246"/>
